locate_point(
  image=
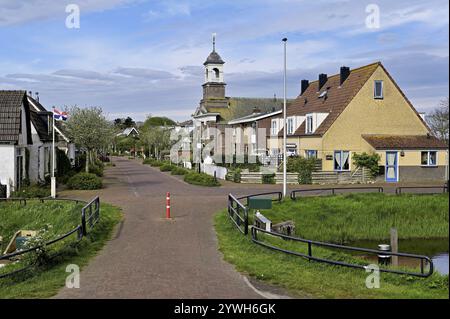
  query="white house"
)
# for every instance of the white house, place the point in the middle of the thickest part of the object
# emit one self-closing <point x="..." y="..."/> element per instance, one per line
<point x="15" y="137"/>
<point x="26" y="141"/>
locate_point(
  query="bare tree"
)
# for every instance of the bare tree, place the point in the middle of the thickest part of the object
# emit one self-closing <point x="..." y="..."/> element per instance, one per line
<point x="438" y="121"/>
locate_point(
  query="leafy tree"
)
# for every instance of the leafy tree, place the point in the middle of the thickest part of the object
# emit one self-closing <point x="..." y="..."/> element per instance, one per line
<point x="158" y="121"/>
<point x="128" y="122"/>
<point x="89" y="129"/>
<point x="438" y="121"/>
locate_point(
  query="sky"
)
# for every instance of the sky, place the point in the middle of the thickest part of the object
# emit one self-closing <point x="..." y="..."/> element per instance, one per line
<point x="145" y="57"/>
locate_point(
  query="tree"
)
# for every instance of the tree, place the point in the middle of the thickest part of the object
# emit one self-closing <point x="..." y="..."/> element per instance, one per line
<point x="158" y="121"/>
<point x="128" y="122"/>
<point x="89" y="129"/>
<point x="438" y="121"/>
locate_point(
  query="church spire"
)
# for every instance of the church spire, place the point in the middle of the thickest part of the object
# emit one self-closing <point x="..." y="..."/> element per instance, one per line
<point x="214" y="41"/>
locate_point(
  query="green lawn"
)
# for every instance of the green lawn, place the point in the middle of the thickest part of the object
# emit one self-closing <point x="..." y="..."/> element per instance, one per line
<point x="63" y="216"/>
<point x="341" y="218"/>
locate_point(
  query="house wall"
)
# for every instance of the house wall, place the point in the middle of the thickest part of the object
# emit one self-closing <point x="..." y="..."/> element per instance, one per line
<point x="38" y="157"/>
<point x="7" y="164"/>
<point x="366" y="115"/>
<point x="411" y="170"/>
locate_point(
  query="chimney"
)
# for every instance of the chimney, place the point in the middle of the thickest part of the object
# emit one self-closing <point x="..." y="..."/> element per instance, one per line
<point x="30" y="94"/>
<point x="37" y="96"/>
<point x="256" y="110"/>
<point x="345" y="72"/>
<point x="323" y="78"/>
<point x="304" y="85"/>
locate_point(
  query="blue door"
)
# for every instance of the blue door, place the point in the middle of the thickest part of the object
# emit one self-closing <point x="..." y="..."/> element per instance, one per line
<point x="391" y="167"/>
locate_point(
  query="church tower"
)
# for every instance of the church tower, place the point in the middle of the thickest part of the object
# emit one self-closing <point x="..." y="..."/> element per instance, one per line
<point x="214" y="86"/>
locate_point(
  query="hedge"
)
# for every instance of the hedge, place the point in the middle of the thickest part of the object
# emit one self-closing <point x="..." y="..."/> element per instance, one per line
<point x="85" y="181"/>
<point x="166" y="167"/>
<point x="201" y="179"/>
<point x="179" y="171"/>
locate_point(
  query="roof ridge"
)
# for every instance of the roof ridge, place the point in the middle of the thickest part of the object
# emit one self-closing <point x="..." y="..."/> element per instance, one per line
<point x="351" y="70"/>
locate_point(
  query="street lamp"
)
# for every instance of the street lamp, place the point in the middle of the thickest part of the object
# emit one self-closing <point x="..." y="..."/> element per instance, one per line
<point x="284" y="124"/>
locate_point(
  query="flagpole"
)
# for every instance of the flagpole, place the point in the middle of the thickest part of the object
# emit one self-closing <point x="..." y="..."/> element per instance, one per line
<point x="53" y="180"/>
<point x="284" y="125"/>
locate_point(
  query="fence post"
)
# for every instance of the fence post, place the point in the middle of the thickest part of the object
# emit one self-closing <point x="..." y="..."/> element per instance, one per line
<point x="394" y="246"/>
<point x="246" y="221"/>
<point x="83" y="221"/>
<point x="309" y="250"/>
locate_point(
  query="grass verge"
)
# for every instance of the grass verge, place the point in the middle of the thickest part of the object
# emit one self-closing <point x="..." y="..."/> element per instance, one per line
<point x="318" y="280"/>
<point x="46" y="281"/>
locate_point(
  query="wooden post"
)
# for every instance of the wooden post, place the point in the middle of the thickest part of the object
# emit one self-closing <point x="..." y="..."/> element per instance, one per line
<point x="394" y="246"/>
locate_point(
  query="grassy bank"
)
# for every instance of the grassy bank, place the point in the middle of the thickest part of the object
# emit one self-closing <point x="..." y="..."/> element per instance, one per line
<point x="46" y="281"/>
<point x="368" y="216"/>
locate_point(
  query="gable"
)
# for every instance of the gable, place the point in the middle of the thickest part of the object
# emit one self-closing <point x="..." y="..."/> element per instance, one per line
<point x="392" y="115"/>
<point x="14" y="118"/>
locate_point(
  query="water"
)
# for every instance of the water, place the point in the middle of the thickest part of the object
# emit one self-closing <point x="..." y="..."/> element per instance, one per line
<point x="436" y="249"/>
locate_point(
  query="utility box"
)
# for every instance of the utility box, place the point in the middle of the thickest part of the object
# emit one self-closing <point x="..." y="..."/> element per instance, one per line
<point x="260" y="203"/>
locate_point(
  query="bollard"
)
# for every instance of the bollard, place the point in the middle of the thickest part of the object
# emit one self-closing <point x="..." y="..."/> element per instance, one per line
<point x="168" y="205"/>
<point x="384" y="259"/>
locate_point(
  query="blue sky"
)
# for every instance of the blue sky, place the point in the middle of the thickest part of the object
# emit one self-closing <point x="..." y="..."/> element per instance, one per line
<point x="142" y="57"/>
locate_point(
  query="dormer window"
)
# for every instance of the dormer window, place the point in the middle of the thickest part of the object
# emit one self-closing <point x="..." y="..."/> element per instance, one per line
<point x="290" y="125"/>
<point x="323" y="94"/>
<point x="274" y="128"/>
<point x="309" y="124"/>
<point x="378" y="89"/>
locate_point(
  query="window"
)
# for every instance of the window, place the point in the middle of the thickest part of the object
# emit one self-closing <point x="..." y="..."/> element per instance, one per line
<point x="290" y="126"/>
<point x="216" y="73"/>
<point x="309" y="125"/>
<point x="273" y="128"/>
<point x="429" y="158"/>
<point x="341" y="160"/>
<point x="311" y="153"/>
<point x="378" y="90"/>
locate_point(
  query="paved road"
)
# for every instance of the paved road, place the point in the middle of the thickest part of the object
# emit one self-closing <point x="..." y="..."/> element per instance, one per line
<point x="150" y="257"/>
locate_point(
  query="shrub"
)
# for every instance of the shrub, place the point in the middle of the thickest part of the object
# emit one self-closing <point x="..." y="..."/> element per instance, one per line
<point x="303" y="166"/>
<point x="64" y="178"/>
<point x="96" y="169"/>
<point x="368" y="161"/>
<point x="34" y="191"/>
<point x="63" y="163"/>
<point x="148" y="161"/>
<point x="166" y="167"/>
<point x="268" y="178"/>
<point x="234" y="176"/>
<point x="157" y="163"/>
<point x="85" y="181"/>
<point x="200" y="179"/>
<point x="179" y="171"/>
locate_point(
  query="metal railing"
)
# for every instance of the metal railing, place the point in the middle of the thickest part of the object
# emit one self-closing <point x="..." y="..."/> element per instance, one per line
<point x="91" y="218"/>
<point x="444" y="188"/>
<point x="334" y="190"/>
<point x="309" y="255"/>
<point x="278" y="198"/>
<point x="238" y="214"/>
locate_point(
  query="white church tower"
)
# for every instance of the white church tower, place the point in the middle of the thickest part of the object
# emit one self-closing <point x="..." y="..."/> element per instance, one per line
<point x="214" y="86"/>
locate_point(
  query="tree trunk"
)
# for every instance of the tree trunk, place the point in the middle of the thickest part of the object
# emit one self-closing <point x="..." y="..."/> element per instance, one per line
<point x="87" y="161"/>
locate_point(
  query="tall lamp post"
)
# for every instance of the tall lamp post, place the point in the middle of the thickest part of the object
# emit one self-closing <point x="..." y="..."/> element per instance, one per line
<point x="284" y="125"/>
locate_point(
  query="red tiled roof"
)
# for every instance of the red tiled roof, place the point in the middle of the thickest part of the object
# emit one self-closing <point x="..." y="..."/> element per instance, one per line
<point x="396" y="142"/>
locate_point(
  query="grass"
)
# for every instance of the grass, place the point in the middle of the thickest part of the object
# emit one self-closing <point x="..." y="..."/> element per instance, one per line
<point x="45" y="282"/>
<point x="351" y="217"/>
<point x="318" y="280"/>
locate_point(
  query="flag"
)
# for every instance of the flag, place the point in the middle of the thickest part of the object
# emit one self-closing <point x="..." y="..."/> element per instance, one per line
<point x="59" y="116"/>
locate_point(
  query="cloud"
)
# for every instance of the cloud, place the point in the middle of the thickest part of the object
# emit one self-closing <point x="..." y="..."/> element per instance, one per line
<point x="22" y="11"/>
<point x="145" y="73"/>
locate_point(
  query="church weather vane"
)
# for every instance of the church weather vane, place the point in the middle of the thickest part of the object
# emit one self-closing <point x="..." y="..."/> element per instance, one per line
<point x="214" y="41"/>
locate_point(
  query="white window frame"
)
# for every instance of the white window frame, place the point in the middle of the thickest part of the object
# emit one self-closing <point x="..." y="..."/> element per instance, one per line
<point x="375" y="96"/>
<point x="307" y="153"/>
<point x="274" y="127"/>
<point x="308" y="130"/>
<point x="341" y="166"/>
<point x="290" y="125"/>
<point x="428" y="158"/>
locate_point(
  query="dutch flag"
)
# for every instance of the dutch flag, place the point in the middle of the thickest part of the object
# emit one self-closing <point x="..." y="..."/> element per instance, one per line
<point x="59" y="116"/>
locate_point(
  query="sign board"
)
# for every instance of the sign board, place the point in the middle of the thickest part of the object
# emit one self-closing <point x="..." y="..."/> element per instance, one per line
<point x="260" y="203"/>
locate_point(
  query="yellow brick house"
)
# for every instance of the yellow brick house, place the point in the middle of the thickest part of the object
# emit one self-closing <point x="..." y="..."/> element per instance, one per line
<point x="361" y="110"/>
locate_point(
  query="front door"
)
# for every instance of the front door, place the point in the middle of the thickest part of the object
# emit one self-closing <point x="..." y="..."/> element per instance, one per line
<point x="391" y="167"/>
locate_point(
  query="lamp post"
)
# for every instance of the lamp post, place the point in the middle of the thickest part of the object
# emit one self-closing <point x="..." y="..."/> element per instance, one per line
<point x="284" y="124"/>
